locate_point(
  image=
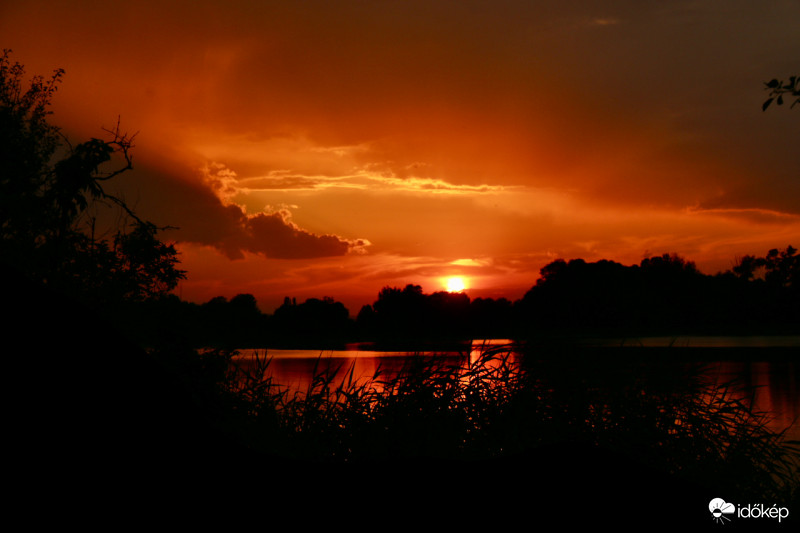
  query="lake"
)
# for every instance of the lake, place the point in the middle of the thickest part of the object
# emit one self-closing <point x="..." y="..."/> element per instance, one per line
<point x="773" y="384"/>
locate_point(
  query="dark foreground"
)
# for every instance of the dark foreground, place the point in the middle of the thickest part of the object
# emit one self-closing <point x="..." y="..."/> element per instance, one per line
<point x="89" y="409"/>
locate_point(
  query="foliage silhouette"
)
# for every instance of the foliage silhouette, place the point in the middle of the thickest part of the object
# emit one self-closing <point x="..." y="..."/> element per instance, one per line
<point x="49" y="193"/>
<point x="560" y="416"/>
<point x="663" y="295"/>
<point x="317" y="323"/>
<point x="779" y="88"/>
<point x="409" y="314"/>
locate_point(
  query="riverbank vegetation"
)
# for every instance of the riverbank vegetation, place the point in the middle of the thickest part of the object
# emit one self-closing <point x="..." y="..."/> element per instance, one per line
<point x="662" y="296"/>
<point x="552" y="410"/>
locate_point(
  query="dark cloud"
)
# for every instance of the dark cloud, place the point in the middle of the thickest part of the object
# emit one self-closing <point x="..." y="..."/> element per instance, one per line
<point x="272" y="235"/>
<point x="275" y="235"/>
<point x="176" y="198"/>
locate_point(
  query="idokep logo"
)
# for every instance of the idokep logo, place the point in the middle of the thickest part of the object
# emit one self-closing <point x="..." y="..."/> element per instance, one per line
<point x="720" y="508"/>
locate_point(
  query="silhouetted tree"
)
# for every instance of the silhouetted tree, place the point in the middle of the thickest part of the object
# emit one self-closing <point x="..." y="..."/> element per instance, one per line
<point x="778" y="267"/>
<point x="577" y="293"/>
<point x="145" y="264"/>
<point x="244" y="305"/>
<point x="779" y="88"/>
<point x="661" y="293"/>
<point x="323" y="323"/>
<point x="745" y="267"/>
<point x="669" y="264"/>
<point x="490" y="318"/>
<point x="769" y="291"/>
<point x="782" y="267"/>
<point x="664" y="295"/>
<point x="47" y="187"/>
<point x="400" y="313"/>
<point x="448" y="315"/>
<point x="408" y="314"/>
<point x="367" y="323"/>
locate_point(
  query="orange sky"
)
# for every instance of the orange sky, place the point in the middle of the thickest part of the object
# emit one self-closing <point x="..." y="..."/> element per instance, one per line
<point x="313" y="149"/>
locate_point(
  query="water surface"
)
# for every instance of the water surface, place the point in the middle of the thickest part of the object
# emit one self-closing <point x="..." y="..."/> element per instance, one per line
<point x="773" y="387"/>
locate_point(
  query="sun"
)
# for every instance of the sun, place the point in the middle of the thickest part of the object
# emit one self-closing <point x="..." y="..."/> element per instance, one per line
<point x="455" y="284"/>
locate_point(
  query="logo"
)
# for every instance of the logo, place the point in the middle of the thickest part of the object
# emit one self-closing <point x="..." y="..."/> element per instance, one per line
<point x="719" y="508"/>
<point x="722" y="511"/>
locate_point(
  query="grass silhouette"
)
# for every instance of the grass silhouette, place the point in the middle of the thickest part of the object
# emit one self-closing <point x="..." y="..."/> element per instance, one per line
<point x="553" y="406"/>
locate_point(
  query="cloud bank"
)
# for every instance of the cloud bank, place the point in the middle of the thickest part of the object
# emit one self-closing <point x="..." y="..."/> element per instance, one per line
<point x="270" y="233"/>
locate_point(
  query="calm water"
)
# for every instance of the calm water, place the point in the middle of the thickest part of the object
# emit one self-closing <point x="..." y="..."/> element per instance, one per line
<point x="776" y="384"/>
<point x="776" y="389"/>
<point x="293" y="369"/>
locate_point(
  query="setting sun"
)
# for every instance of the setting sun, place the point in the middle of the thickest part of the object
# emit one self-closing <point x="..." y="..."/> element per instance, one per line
<point x="455" y="284"/>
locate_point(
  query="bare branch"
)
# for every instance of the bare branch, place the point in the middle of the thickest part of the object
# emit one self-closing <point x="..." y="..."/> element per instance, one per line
<point x="122" y="143"/>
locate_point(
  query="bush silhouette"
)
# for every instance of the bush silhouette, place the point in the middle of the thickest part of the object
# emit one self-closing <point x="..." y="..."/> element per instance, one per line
<point x="49" y="190"/>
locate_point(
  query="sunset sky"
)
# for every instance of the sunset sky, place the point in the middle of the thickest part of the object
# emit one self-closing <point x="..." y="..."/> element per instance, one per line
<point x="311" y="148"/>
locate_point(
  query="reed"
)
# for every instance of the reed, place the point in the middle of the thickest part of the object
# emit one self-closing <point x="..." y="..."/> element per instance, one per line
<point x="661" y="413"/>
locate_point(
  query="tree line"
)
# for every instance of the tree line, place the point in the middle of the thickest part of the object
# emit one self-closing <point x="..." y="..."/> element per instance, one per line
<point x="662" y="295"/>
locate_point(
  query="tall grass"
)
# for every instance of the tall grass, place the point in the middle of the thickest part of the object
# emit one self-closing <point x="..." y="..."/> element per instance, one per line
<point x="661" y="413"/>
<point x="670" y="415"/>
